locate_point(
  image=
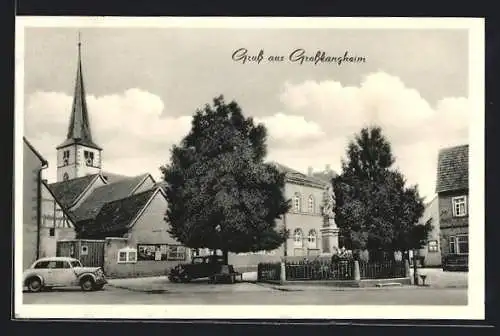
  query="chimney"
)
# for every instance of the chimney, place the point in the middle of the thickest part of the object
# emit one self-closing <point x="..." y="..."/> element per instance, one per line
<point x="309" y="171"/>
<point x="328" y="168"/>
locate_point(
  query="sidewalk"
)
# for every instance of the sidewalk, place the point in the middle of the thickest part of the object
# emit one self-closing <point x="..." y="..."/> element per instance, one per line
<point x="161" y="284"/>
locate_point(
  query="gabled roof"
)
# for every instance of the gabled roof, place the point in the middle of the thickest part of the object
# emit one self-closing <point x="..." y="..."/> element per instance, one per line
<point x="107" y="193"/>
<point x="119" y="215"/>
<point x="294" y="176"/>
<point x="79" y="125"/>
<point x="67" y="192"/>
<point x="163" y="185"/>
<point x="63" y="208"/>
<point x="111" y="177"/>
<point x="325" y="176"/>
<point x="40" y="157"/>
<point x="453" y="169"/>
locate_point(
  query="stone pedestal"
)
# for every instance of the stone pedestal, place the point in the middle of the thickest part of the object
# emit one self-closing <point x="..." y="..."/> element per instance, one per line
<point x="329" y="235"/>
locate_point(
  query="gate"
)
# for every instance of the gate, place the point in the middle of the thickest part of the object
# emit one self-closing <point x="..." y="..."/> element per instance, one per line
<point x="89" y="252"/>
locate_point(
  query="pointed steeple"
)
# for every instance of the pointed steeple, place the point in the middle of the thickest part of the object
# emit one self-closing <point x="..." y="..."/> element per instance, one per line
<point x="79" y="125"/>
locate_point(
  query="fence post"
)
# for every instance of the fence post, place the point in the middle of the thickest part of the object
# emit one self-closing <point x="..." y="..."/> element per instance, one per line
<point x="282" y="272"/>
<point x="357" y="274"/>
<point x="407" y="268"/>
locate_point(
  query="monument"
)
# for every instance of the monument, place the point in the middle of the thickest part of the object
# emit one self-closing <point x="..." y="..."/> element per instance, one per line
<point x="329" y="231"/>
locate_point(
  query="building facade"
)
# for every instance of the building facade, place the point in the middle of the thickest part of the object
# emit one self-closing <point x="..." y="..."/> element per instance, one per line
<point x="431" y="252"/>
<point x="33" y="165"/>
<point x="453" y="193"/>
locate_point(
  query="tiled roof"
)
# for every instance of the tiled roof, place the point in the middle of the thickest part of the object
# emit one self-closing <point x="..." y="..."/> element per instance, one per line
<point x="66" y="192"/>
<point x="105" y="194"/>
<point x="294" y="176"/>
<point x="117" y="216"/>
<point x="453" y="169"/>
<point x="111" y="177"/>
<point x="325" y="176"/>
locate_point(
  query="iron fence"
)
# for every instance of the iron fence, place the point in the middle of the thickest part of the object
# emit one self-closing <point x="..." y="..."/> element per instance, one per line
<point x="269" y="271"/>
<point x="381" y="270"/>
<point x="319" y="270"/>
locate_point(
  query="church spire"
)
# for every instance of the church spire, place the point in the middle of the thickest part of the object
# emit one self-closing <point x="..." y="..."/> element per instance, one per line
<point x="79" y="126"/>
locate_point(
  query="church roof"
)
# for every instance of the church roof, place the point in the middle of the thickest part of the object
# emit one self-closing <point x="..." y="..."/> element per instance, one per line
<point x="67" y="192"/>
<point x="107" y="193"/>
<point x="79" y="125"/>
<point x="453" y="169"/>
<point x="294" y="176"/>
<point x="112" y="177"/>
<point x="118" y="215"/>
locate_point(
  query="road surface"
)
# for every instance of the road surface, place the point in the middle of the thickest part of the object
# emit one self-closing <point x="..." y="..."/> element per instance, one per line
<point x="259" y="296"/>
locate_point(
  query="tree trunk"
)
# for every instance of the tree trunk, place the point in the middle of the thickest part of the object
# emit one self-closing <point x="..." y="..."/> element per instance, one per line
<point x="225" y="255"/>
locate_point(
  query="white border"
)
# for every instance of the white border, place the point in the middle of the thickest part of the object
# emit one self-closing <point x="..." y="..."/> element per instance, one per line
<point x="475" y="307"/>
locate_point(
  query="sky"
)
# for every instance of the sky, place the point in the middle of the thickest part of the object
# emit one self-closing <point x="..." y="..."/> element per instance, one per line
<point x="144" y="84"/>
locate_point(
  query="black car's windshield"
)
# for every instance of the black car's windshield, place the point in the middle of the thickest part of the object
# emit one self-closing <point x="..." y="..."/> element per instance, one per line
<point x="75" y="263"/>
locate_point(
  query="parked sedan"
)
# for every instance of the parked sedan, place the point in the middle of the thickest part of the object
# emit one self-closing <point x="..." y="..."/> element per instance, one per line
<point x="62" y="272"/>
<point x="200" y="267"/>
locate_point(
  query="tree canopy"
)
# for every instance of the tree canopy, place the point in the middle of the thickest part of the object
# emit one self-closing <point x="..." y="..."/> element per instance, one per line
<point x="375" y="210"/>
<point x="221" y="193"/>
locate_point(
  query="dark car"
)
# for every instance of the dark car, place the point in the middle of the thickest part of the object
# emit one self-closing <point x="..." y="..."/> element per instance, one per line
<point x="455" y="262"/>
<point x="200" y="267"/>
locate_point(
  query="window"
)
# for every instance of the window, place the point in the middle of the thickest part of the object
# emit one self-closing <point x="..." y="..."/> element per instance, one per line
<point x="432" y="246"/>
<point x="310" y="204"/>
<point x="176" y="253"/>
<point x="459" y="244"/>
<point x="296" y="202"/>
<point x="41" y="265"/>
<point x="52" y="232"/>
<point x="76" y="263"/>
<point x="89" y="158"/>
<point x="311" y="239"/>
<point x="297" y="237"/>
<point x="65" y="157"/>
<point x="127" y="255"/>
<point x="65" y="177"/>
<point x="459" y="205"/>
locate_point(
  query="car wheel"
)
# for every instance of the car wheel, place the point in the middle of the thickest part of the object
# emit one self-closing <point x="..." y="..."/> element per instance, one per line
<point x="34" y="285"/>
<point x="87" y="284"/>
<point x="185" y="278"/>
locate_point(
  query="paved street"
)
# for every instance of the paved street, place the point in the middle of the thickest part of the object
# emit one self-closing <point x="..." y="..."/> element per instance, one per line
<point x="254" y="294"/>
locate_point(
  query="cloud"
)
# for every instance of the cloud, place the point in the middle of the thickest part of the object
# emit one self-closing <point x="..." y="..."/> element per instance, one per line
<point x="285" y="130"/>
<point x="312" y="128"/>
<point x="416" y="129"/>
<point x="129" y="126"/>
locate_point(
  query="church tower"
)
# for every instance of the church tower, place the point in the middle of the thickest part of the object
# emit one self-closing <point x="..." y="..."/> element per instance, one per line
<point x="78" y="155"/>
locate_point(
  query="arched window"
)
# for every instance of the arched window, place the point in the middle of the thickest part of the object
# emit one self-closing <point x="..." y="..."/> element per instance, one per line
<point x="296" y="202"/>
<point x="297" y="238"/>
<point x="310" y="204"/>
<point x="311" y="239"/>
<point x="65" y="177"/>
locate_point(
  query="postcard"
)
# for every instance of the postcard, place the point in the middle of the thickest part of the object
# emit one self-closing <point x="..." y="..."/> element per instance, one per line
<point x="249" y="168"/>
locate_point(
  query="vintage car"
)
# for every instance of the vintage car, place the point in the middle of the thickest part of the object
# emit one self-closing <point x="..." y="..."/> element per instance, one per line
<point x="62" y="272"/>
<point x="200" y="267"/>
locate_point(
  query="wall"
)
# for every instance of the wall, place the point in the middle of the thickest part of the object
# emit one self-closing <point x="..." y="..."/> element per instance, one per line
<point x="432" y="258"/>
<point x="81" y="168"/>
<point x="31" y="166"/>
<point x="450" y="225"/>
<point x="150" y="228"/>
<point x="52" y="217"/>
<point x="303" y="219"/>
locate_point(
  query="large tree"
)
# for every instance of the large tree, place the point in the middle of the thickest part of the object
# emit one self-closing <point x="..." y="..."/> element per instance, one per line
<point x="220" y="192"/>
<point x="375" y="210"/>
